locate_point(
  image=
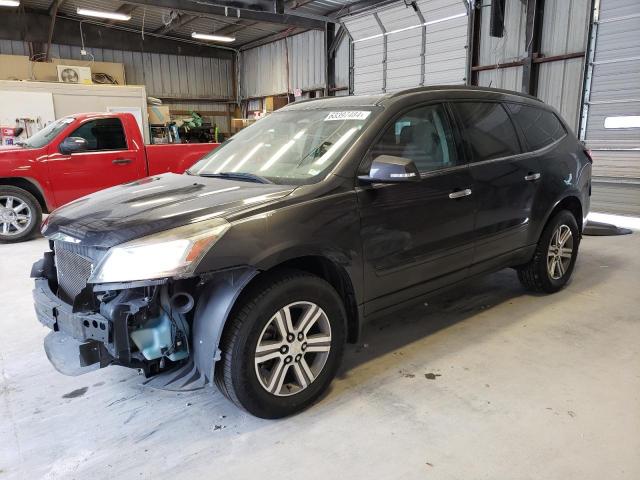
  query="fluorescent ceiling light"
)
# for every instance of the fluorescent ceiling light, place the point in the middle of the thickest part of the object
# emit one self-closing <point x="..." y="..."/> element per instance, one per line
<point x="213" y="38"/>
<point x="9" y="3"/>
<point x="87" y="12"/>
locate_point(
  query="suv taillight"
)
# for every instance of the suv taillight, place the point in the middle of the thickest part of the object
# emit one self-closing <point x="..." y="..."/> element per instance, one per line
<point x="587" y="152"/>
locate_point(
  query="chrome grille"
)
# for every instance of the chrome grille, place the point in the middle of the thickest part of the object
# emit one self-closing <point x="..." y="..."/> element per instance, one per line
<point x="74" y="268"/>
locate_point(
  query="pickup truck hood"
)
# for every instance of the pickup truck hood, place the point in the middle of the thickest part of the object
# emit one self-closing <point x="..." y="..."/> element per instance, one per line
<point x="154" y="204"/>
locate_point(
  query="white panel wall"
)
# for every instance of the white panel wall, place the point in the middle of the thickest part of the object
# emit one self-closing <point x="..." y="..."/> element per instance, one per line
<point x="367" y="54"/>
<point x="615" y="91"/>
<point x="396" y="47"/>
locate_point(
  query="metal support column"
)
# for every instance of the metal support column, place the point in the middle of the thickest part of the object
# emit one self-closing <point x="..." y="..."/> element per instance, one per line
<point x="329" y="59"/>
<point x="588" y="68"/>
<point x="384" y="52"/>
<point x="533" y="36"/>
<point x="423" y="49"/>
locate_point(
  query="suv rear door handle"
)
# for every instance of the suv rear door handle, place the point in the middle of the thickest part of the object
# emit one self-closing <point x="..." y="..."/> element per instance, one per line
<point x="532" y="177"/>
<point x="460" y="193"/>
<point x="121" y="161"/>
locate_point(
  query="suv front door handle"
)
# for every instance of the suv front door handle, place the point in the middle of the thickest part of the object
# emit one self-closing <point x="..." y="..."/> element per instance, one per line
<point x="121" y="161"/>
<point x="532" y="177"/>
<point x="460" y="193"/>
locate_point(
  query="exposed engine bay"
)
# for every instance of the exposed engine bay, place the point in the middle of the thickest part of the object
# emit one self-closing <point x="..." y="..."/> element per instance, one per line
<point x="147" y="325"/>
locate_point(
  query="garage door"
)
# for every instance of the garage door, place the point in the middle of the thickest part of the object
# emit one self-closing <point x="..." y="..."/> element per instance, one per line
<point x="399" y="47"/>
<point x="611" y="115"/>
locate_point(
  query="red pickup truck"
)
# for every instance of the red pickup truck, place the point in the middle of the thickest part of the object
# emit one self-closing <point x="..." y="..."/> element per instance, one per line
<point x="75" y="156"/>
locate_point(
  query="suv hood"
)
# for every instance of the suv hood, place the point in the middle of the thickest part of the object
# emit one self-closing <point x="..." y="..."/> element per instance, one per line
<point x="154" y="204"/>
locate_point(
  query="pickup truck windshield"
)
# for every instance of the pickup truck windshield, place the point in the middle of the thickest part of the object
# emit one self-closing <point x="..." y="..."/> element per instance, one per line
<point x="290" y="147"/>
<point x="48" y="133"/>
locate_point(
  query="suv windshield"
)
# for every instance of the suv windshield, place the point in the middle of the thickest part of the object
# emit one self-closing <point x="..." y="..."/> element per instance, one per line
<point x="48" y="133"/>
<point x="289" y="147"/>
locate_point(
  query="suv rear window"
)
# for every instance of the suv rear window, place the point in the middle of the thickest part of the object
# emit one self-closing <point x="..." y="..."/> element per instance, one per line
<point x="540" y="127"/>
<point x="487" y="129"/>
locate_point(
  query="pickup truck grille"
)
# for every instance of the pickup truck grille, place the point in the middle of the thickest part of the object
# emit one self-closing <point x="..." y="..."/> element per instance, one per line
<point x="74" y="265"/>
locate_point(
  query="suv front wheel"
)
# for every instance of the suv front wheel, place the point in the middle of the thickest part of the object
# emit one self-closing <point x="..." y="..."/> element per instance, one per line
<point x="282" y="345"/>
<point x="555" y="256"/>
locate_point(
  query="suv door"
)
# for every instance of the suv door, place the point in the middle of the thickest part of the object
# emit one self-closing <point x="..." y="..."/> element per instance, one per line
<point x="506" y="179"/>
<point x="416" y="236"/>
<point x="108" y="161"/>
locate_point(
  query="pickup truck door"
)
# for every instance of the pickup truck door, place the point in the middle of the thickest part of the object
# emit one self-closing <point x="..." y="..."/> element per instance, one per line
<point x="111" y="159"/>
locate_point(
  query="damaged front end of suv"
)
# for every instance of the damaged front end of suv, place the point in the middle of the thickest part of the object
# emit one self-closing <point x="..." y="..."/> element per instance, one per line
<point x="134" y="304"/>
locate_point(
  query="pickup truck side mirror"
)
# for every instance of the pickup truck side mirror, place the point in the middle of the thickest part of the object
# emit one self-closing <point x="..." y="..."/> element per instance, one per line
<point x="73" y="145"/>
<point x="390" y="169"/>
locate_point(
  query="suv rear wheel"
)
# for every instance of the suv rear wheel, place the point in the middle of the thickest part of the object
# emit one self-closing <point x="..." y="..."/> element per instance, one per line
<point x="555" y="256"/>
<point x="283" y="345"/>
<point x="20" y="214"/>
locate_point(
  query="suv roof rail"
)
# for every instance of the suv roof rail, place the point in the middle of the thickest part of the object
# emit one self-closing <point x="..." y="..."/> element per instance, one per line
<point x="461" y="87"/>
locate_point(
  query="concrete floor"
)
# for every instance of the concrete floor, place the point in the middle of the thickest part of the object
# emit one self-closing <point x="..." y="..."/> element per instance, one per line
<point x="486" y="382"/>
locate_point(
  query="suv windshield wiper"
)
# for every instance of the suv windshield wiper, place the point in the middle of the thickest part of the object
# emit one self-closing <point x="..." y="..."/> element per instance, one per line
<point x="247" y="177"/>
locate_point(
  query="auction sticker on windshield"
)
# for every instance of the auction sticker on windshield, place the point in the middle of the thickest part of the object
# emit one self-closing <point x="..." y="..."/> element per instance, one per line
<point x="348" y="115"/>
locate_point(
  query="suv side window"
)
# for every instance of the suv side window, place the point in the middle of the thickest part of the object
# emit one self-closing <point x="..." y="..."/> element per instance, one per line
<point x="540" y="127"/>
<point x="102" y="134"/>
<point x="488" y="130"/>
<point x="423" y="135"/>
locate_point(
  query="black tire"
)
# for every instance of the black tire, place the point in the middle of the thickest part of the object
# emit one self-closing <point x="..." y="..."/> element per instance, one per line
<point x="236" y="375"/>
<point x="35" y="214"/>
<point x="535" y="275"/>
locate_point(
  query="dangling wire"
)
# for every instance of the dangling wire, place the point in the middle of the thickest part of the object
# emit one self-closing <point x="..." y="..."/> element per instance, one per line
<point x="144" y="15"/>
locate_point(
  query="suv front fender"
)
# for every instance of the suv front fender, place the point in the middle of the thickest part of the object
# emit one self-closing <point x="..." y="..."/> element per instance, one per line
<point x="211" y="314"/>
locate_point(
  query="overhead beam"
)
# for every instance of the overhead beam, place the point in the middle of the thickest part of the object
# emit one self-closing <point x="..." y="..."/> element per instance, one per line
<point x="203" y="7"/>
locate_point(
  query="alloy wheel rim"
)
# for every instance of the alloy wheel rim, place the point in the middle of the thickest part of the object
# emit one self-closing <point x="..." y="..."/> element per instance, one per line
<point x="15" y="215"/>
<point x="293" y="348"/>
<point x="560" y="252"/>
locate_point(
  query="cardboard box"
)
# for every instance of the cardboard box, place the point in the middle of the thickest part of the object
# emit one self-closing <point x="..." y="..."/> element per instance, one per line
<point x="159" y="114"/>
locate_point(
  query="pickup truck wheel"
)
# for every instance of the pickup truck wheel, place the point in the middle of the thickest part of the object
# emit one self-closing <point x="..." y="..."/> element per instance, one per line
<point x="20" y="214"/>
<point x="283" y="345"/>
<point x="555" y="256"/>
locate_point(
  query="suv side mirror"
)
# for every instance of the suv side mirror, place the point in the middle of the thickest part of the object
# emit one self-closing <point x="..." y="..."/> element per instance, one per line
<point x="390" y="169"/>
<point x="73" y="145"/>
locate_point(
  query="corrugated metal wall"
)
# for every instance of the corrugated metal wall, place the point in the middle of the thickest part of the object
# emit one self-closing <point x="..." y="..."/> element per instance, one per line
<point x="13" y="47"/>
<point x="396" y="47"/>
<point x="264" y="69"/>
<point x="564" y="30"/>
<point x="167" y="76"/>
<point x="509" y="48"/>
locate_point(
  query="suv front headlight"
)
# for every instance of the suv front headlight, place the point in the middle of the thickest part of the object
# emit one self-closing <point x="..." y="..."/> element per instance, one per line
<point x="172" y="253"/>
